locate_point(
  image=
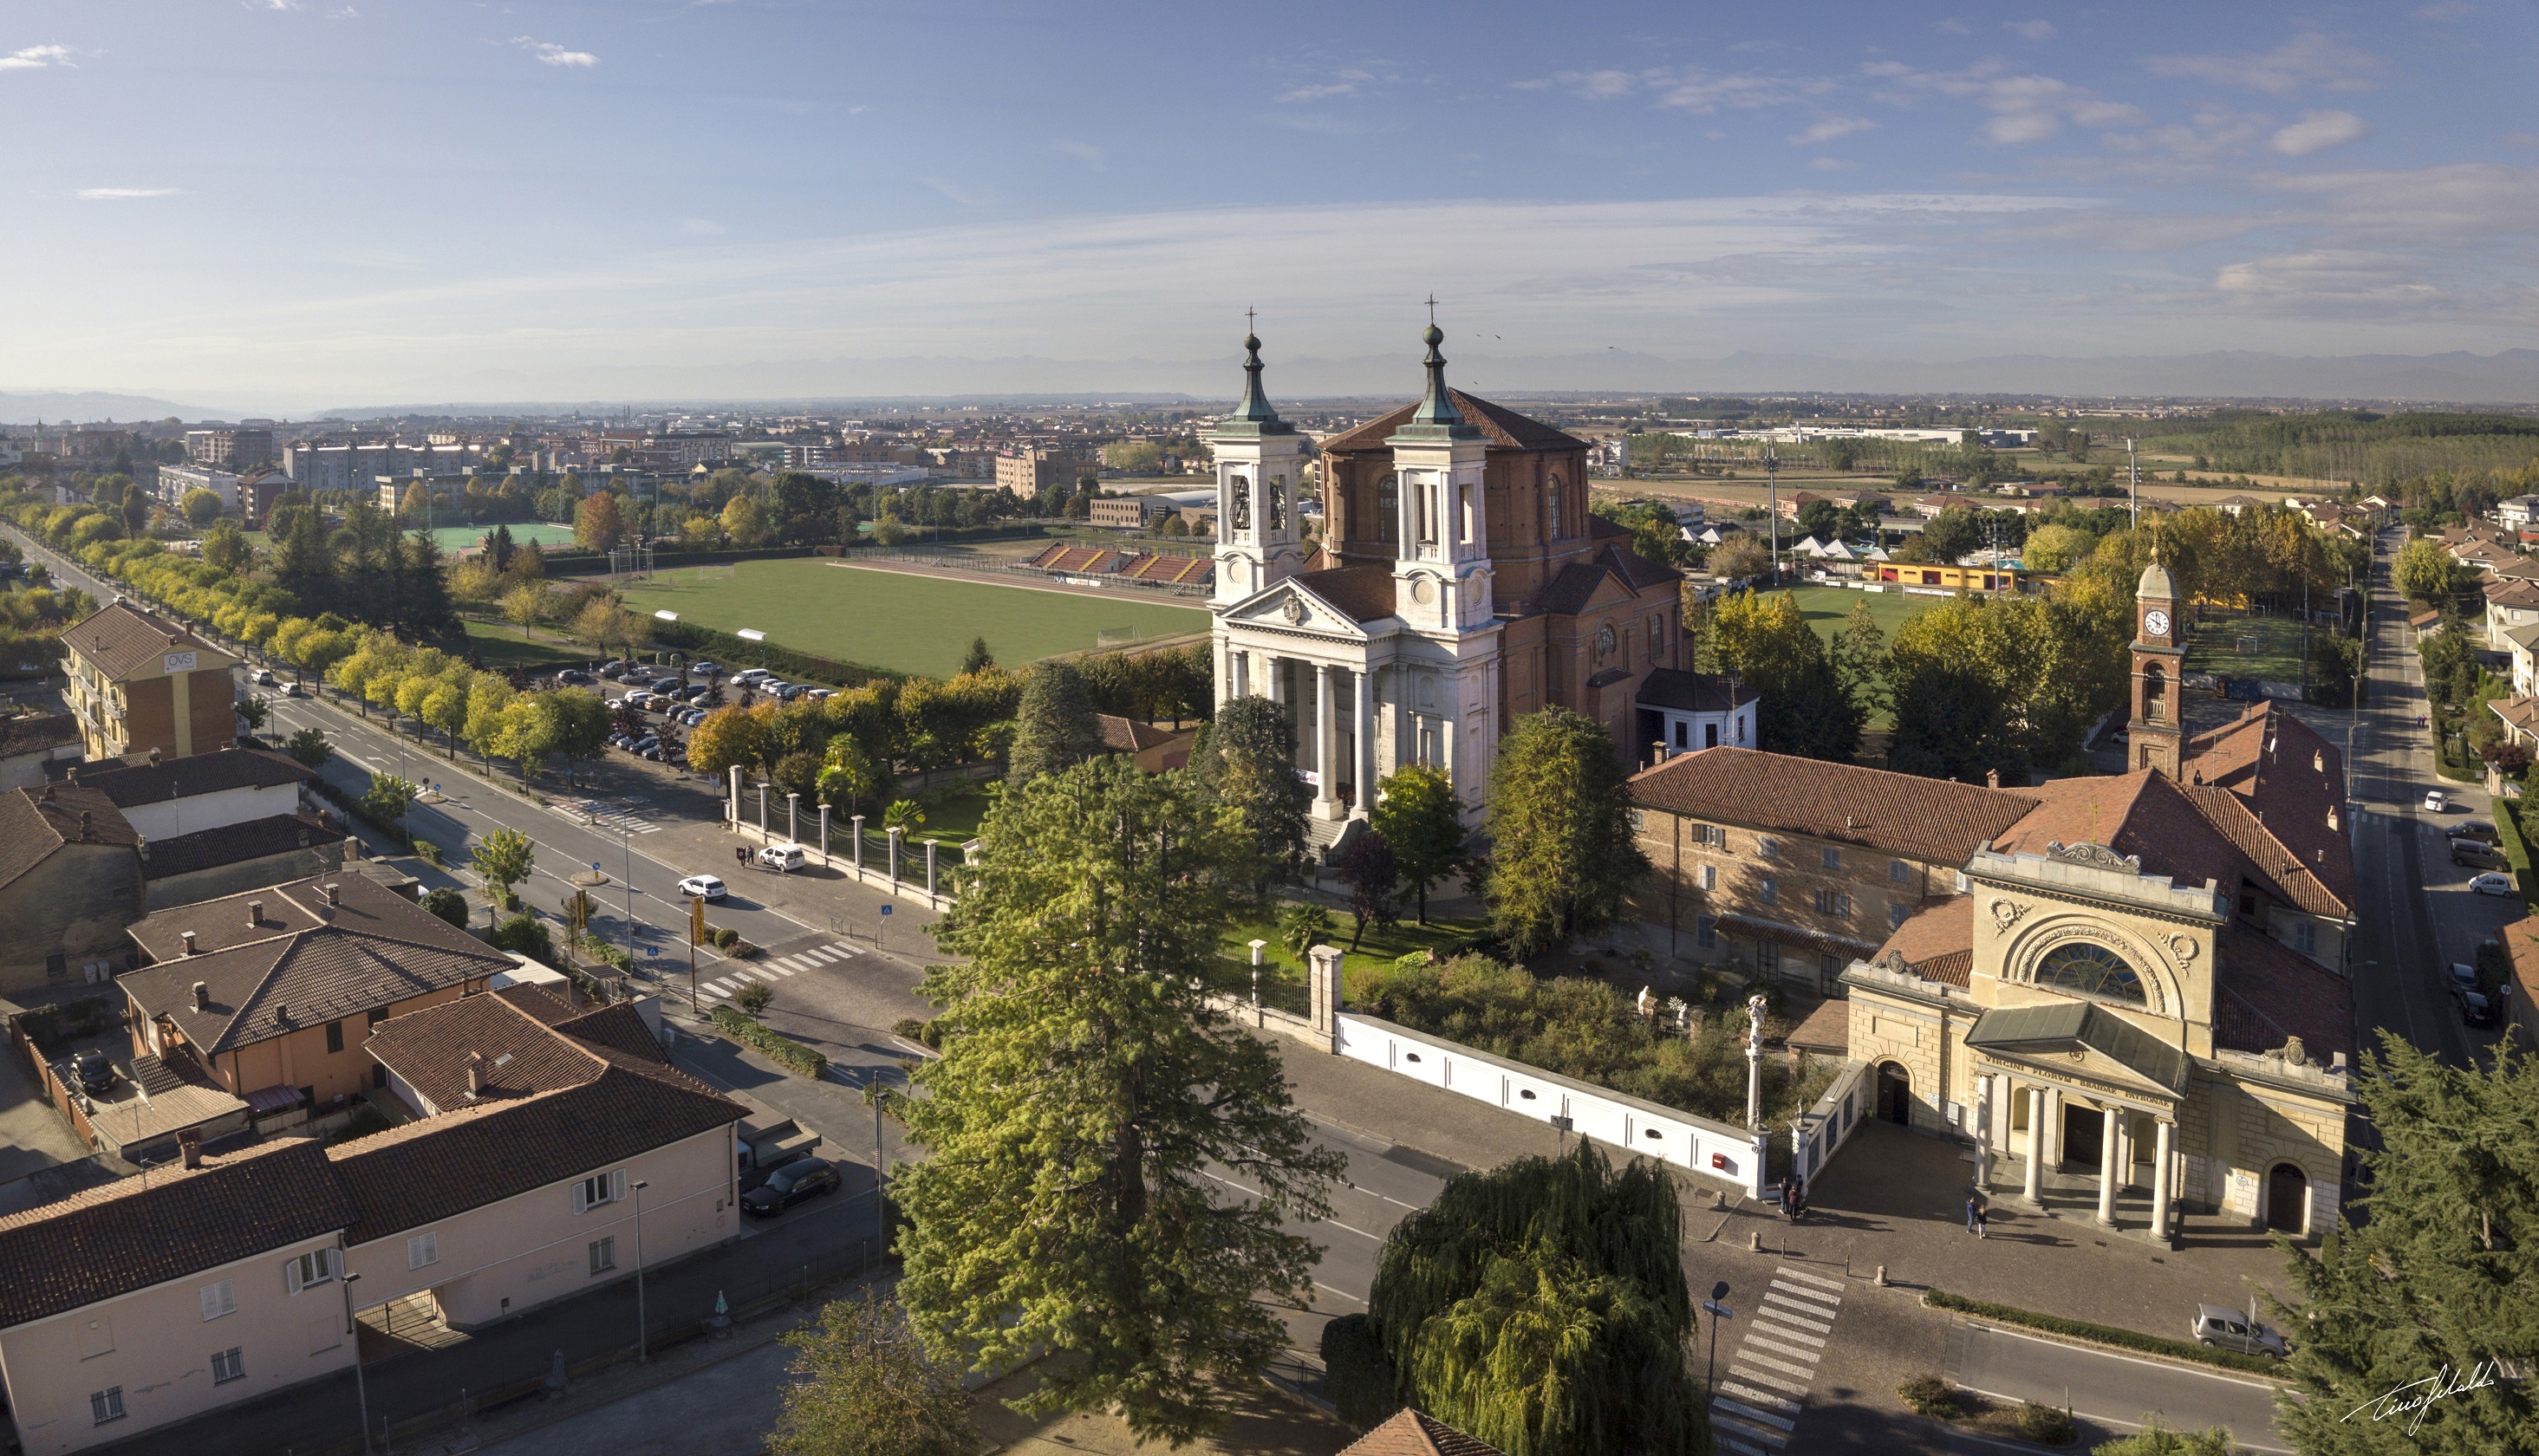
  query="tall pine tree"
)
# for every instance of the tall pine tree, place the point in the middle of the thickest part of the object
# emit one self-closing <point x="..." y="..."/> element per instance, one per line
<point x="1245" y="760"/>
<point x="1054" y="727"/>
<point x="1087" y="1097"/>
<point x="2433" y="1277"/>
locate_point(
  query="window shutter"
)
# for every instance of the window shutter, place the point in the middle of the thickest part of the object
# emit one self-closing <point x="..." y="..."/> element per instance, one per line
<point x="617" y="1185"/>
<point x="580" y="1196"/>
<point x="219" y="1300"/>
<point x="290" y="1276"/>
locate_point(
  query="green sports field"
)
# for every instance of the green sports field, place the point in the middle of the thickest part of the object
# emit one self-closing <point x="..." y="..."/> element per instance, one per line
<point x="1826" y="607"/>
<point x="547" y="534"/>
<point x="895" y="619"/>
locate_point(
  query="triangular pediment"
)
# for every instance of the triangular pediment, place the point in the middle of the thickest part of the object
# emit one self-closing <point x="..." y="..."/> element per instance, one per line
<point x="1292" y="606"/>
<point x="2073" y="1061"/>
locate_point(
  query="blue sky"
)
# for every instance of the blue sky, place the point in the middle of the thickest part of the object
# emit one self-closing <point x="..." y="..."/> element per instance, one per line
<point x="291" y="203"/>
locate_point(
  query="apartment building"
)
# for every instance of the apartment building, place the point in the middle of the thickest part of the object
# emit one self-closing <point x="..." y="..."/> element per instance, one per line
<point x="138" y="682"/>
<point x="545" y="1132"/>
<point x="238" y="448"/>
<point x="1027" y="471"/>
<point x="176" y="482"/>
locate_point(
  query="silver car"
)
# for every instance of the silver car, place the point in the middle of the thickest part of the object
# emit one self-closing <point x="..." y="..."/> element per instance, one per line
<point x="2228" y="1329"/>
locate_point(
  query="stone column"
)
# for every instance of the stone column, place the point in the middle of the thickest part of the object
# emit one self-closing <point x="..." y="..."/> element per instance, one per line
<point x="930" y="869"/>
<point x="1326" y="746"/>
<point x="2162" y="1188"/>
<point x="892" y="836"/>
<point x="2034" y="1188"/>
<point x="2053" y="1130"/>
<point x="1984" y="1131"/>
<point x="1362" y="724"/>
<point x="2108" y="1137"/>
<point x="857" y="822"/>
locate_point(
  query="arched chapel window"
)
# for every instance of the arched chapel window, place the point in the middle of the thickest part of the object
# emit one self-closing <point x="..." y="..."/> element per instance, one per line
<point x="2091" y="969"/>
<point x="1553" y="500"/>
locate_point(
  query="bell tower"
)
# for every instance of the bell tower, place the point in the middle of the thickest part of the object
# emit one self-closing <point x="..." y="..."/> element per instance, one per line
<point x="1441" y="566"/>
<point x="1260" y="462"/>
<point x="2157" y="737"/>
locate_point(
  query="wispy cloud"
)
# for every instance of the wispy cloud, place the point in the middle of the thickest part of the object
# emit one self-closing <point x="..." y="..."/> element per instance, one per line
<point x="273" y="4"/>
<point x="2307" y="60"/>
<point x="701" y="227"/>
<point x="966" y="196"/>
<point x="1833" y="128"/>
<point x="549" y="54"/>
<point x="1685" y="88"/>
<point x="2030" y="29"/>
<point x="1343" y="84"/>
<point x="2316" y="132"/>
<point x="2025" y="107"/>
<point x="36" y="58"/>
<point x="1086" y="151"/>
<point x="125" y="194"/>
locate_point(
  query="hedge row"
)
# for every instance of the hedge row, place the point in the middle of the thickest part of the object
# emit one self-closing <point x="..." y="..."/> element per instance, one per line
<point x="354" y="808"/>
<point x="2516" y="849"/>
<point x="2124" y="1338"/>
<point x="784" y="662"/>
<point x="793" y="1054"/>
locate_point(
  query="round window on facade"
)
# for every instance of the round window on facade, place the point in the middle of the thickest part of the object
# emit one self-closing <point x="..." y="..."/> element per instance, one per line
<point x="2091" y="969"/>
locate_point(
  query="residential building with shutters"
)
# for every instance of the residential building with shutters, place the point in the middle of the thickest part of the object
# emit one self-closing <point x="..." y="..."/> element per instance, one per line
<point x="219" y="1279"/>
<point x="138" y="682"/>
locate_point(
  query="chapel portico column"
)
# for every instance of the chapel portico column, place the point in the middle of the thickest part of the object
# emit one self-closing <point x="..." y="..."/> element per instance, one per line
<point x="2034" y="1188"/>
<point x="2163" y="1187"/>
<point x="1327" y="794"/>
<point x="1362" y="735"/>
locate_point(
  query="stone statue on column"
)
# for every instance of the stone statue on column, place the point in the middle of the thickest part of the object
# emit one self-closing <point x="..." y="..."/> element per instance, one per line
<point x="1754" y="1063"/>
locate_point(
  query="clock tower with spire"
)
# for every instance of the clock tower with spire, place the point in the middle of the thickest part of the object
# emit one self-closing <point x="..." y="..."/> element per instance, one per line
<point x="1259" y="464"/>
<point x="2157" y="737"/>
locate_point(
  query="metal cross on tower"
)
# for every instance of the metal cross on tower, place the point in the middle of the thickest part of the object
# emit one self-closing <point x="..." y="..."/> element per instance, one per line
<point x="1432" y="306"/>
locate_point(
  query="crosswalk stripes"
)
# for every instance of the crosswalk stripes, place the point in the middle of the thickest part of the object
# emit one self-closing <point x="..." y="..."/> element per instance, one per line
<point x="624" y="821"/>
<point x="723" y="987"/>
<point x="1753" y="1410"/>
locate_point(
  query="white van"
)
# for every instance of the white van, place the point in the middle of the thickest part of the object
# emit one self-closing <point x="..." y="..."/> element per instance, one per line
<point x="782" y="858"/>
<point x="747" y="676"/>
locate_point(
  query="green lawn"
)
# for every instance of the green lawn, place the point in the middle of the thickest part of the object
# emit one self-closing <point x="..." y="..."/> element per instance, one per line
<point x="2268" y="648"/>
<point x="1826" y="607"/>
<point x="499" y="643"/>
<point x="905" y="622"/>
<point x="1282" y="976"/>
<point x="954" y="813"/>
<point x="547" y="534"/>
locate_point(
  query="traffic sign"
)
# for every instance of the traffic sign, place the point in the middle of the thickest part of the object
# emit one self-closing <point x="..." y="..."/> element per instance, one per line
<point x="1720" y="1311"/>
<point x="885" y="910"/>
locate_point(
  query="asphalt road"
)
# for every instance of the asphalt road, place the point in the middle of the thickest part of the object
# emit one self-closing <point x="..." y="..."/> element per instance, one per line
<point x="2109" y="1390"/>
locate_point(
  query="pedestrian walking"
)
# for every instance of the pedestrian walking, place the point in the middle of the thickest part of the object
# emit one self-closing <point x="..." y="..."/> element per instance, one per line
<point x="1975" y="1216"/>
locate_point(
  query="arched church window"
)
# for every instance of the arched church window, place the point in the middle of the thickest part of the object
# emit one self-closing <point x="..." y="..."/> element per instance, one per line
<point x="1428" y="504"/>
<point x="2091" y="969"/>
<point x="1242" y="490"/>
<point x="2154" y="693"/>
<point x="1273" y="503"/>
<point x="1552" y="512"/>
<point x="1388" y="508"/>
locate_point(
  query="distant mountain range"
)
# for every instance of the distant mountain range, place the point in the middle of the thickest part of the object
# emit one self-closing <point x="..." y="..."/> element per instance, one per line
<point x="94" y="405"/>
<point x="2510" y="377"/>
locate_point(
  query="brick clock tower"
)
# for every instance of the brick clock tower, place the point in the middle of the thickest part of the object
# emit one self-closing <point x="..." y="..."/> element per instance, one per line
<point x="2160" y="653"/>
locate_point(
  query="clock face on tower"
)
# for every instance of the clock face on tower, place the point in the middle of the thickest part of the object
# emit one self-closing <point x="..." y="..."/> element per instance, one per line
<point x="2155" y="623"/>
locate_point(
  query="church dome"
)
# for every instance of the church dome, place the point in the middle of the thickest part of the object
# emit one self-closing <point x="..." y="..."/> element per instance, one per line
<point x="2156" y="582"/>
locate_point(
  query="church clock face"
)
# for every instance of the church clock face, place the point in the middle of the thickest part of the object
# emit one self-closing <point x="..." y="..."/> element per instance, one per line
<point x="2155" y="623"/>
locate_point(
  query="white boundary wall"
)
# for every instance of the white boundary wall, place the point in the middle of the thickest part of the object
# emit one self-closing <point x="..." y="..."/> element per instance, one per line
<point x="1723" y="1154"/>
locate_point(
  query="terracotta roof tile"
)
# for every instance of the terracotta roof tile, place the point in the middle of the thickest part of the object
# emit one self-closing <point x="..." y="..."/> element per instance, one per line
<point x="1926" y="819"/>
<point x="1504" y="427"/>
<point x="1128" y="735"/>
<point x="35" y="823"/>
<point x="1691" y="692"/>
<point x="171" y="1221"/>
<point x="1409" y="1433"/>
<point x="121" y="641"/>
<point x="1365" y="593"/>
<point x="2291" y="778"/>
<point x="514" y="1054"/>
<point x="1938" y="940"/>
<point x="2268" y="994"/>
<point x="198" y="773"/>
<point x="229" y="844"/>
<point x="32" y="733"/>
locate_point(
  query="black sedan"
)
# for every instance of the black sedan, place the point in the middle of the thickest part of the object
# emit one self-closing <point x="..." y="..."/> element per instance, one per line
<point x="95" y="1073"/>
<point x="788" y="1185"/>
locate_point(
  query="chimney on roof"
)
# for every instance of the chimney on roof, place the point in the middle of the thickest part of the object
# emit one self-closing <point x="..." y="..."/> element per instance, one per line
<point x="202" y="996"/>
<point x="154" y="757"/>
<point x="282" y="1011"/>
<point x="49" y="790"/>
<point x="1658" y="752"/>
<point x="332" y="890"/>
<point x="2331" y="817"/>
<point x="2318" y="761"/>
<point x="188" y="938"/>
<point x="1992" y="778"/>
<point x="475" y="1074"/>
<point x="190" y="1143"/>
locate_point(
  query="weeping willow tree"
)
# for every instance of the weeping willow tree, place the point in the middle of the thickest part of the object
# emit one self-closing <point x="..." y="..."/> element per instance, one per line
<point x="1540" y="1306"/>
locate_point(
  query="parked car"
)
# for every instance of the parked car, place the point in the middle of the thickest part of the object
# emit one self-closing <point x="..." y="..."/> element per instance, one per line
<point x="803" y="1178"/>
<point x="2477" y="852"/>
<point x="2463" y="977"/>
<point x="648" y="742"/>
<point x="692" y="717"/>
<point x="262" y="677"/>
<point x="706" y="669"/>
<point x="2475" y="1010"/>
<point x="2475" y="829"/>
<point x="2436" y="802"/>
<point x="573" y="677"/>
<point x="95" y="1073"/>
<point x="703" y="886"/>
<point x="2228" y="1329"/>
<point x="692" y="695"/>
<point x="2492" y="883"/>
<point x="615" y="668"/>
<point x="294" y="690"/>
<point x="668" y="685"/>
<point x="750" y="675"/>
<point x="621" y="740"/>
<point x="781" y="858"/>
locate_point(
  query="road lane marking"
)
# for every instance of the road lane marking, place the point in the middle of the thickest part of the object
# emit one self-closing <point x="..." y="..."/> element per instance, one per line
<point x="1816" y="1294"/>
<point x="1990" y="1329"/>
<point x="1334" y="1223"/>
<point x="1746" y="1411"/>
<point x="1749" y="1432"/>
<point x="1750" y="1394"/>
<point x="1834" y="1285"/>
<point x="1802" y="1371"/>
<point x="1757" y="1339"/>
<point x="1771" y="1311"/>
<point x="1775" y="1382"/>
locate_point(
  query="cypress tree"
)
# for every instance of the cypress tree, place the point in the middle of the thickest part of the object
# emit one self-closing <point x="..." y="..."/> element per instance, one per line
<point x="1245" y="759"/>
<point x="1054" y="727"/>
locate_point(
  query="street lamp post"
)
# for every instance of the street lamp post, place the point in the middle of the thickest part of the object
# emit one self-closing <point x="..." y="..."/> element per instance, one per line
<point x="629" y="836"/>
<point x="643" y="1351"/>
<point x="360" y="1387"/>
<point x="1772" y="476"/>
<point x="2133" y="486"/>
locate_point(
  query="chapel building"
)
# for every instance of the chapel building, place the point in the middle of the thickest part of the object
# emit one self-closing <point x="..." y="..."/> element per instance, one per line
<point x="1459" y="582"/>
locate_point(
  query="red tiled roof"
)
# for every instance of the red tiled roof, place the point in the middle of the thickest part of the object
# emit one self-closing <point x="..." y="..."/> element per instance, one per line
<point x="129" y="784"/>
<point x="1365" y="594"/>
<point x="2290" y="778"/>
<point x="35" y="823"/>
<point x="2268" y="994"/>
<point x="121" y="641"/>
<point x="1128" y="735"/>
<point x="514" y="1054"/>
<point x="1826" y="1028"/>
<point x="1504" y="427"/>
<point x="1926" y="819"/>
<point x="1409" y="1433"/>
<point x="30" y="733"/>
<point x="1938" y="940"/>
